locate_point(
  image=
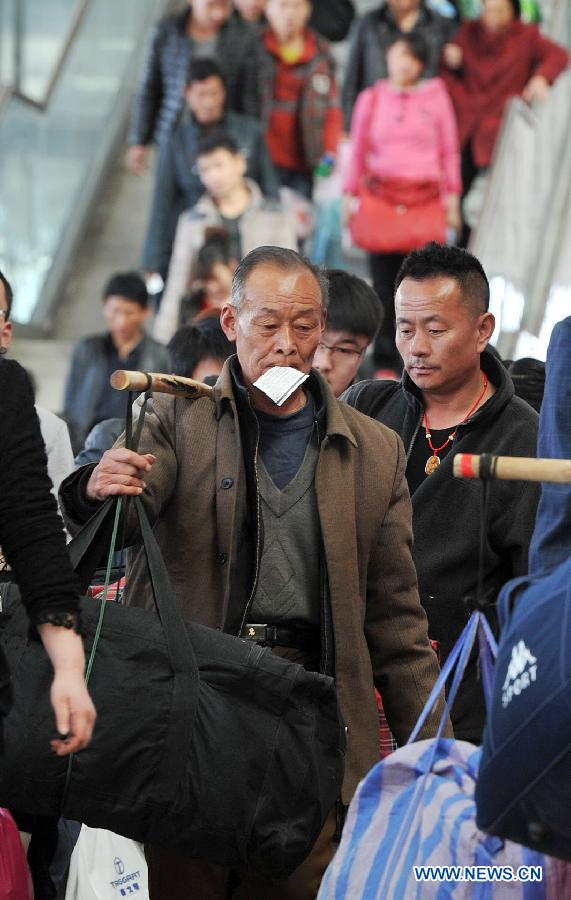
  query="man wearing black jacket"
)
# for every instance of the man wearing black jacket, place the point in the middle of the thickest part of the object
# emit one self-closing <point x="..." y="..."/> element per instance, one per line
<point x="207" y="29"/>
<point x="455" y="397"/>
<point x="177" y="183"/>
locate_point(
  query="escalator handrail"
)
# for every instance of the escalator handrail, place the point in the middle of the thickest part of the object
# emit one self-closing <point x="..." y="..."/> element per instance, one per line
<point x="6" y="93"/>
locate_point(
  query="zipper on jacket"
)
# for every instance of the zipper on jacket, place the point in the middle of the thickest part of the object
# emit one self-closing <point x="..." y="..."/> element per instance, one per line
<point x="323" y="573"/>
<point x="415" y="435"/>
<point x="258" y="535"/>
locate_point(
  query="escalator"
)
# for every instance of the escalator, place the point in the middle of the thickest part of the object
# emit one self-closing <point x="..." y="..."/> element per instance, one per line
<point x="68" y="70"/>
<point x="70" y="214"/>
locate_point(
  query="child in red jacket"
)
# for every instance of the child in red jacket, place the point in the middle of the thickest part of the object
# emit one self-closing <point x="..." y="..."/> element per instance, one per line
<point x="300" y="99"/>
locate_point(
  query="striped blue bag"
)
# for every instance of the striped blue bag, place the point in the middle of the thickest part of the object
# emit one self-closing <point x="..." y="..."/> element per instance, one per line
<point x="411" y="827"/>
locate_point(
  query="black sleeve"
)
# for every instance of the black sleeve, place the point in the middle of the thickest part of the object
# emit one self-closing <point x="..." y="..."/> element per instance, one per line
<point x="332" y="18"/>
<point x="166" y="199"/>
<point x="76" y="508"/>
<point x="247" y="95"/>
<point x="265" y="173"/>
<point x="366" y="396"/>
<point x="353" y="81"/>
<point x="31" y="531"/>
<point x="149" y="94"/>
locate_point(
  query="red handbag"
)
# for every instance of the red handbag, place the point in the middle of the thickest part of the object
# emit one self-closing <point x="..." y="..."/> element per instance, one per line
<point x="397" y="216"/>
<point x="15" y="879"/>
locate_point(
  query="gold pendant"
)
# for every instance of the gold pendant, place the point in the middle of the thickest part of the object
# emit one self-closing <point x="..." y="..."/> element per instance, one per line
<point x="432" y="464"/>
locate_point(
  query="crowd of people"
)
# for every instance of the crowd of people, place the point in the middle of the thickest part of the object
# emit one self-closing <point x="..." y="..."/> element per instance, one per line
<point x="422" y="101"/>
<point x="300" y="515"/>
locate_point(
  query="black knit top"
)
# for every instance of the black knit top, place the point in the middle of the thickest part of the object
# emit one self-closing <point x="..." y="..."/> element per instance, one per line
<point x="31" y="531"/>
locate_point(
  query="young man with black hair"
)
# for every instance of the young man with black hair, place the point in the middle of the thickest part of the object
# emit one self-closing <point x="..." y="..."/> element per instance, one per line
<point x="199" y="351"/>
<point x="205" y="29"/>
<point x="455" y="397"/>
<point x="177" y="184"/>
<point x="354" y="316"/>
<point x="233" y="202"/>
<point x="89" y="398"/>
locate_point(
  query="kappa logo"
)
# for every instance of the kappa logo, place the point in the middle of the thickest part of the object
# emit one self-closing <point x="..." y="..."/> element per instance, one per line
<point x="522" y="671"/>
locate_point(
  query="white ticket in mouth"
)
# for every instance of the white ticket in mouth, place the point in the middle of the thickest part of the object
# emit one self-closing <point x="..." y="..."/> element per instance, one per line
<point x="280" y="382"/>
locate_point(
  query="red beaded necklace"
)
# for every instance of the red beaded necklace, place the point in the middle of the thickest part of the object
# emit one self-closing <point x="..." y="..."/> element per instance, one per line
<point x="433" y="461"/>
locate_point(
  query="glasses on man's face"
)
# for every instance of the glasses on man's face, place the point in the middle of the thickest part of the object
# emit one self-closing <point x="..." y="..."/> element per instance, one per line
<point x="341" y="352"/>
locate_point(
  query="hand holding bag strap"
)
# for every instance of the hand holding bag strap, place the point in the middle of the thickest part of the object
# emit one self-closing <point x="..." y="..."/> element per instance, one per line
<point x="186" y="685"/>
<point x="179" y="647"/>
<point x="90" y="545"/>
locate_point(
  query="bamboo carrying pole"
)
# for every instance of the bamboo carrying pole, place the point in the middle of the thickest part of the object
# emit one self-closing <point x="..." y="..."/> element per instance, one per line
<point x="512" y="468"/>
<point x="123" y="380"/>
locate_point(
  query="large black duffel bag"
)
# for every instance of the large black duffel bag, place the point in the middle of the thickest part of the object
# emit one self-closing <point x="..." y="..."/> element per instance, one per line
<point x="204" y="743"/>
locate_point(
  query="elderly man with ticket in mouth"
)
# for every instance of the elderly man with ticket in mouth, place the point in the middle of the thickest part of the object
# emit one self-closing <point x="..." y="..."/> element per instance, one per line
<point x="284" y="517"/>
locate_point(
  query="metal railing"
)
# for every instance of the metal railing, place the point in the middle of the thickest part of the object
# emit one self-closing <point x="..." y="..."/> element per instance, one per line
<point x="22" y="44"/>
<point x="55" y="148"/>
<point x="16" y="90"/>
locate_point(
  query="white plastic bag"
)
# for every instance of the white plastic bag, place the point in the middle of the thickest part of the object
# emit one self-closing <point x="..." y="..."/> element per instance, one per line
<point x="105" y="866"/>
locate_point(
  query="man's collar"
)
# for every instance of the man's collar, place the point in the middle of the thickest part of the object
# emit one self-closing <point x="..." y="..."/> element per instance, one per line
<point x="229" y="389"/>
<point x="492" y="368"/>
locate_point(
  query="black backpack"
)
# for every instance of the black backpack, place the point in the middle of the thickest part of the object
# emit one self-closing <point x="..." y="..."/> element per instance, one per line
<point x="204" y="743"/>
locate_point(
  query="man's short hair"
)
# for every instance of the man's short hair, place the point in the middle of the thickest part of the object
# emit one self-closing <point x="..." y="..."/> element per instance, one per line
<point x="440" y="261"/>
<point x="129" y="285"/>
<point x="217" y="140"/>
<point x="353" y="305"/>
<point x="8" y="292"/>
<point x="191" y="344"/>
<point x="201" y="69"/>
<point x="281" y="258"/>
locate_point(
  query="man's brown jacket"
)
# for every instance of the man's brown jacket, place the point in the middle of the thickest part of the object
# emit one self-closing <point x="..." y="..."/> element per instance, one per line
<point x="202" y="504"/>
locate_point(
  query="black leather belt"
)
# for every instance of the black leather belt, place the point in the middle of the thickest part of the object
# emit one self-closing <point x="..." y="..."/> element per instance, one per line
<point x="276" y="636"/>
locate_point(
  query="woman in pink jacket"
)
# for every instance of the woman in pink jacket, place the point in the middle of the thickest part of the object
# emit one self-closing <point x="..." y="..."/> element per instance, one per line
<point x="404" y="143"/>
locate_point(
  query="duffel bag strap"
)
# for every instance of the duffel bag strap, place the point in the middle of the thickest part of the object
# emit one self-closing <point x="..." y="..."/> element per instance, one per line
<point x="458" y="658"/>
<point x="487" y="641"/>
<point x="90" y="544"/>
<point x="179" y="646"/>
<point x="181" y="653"/>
